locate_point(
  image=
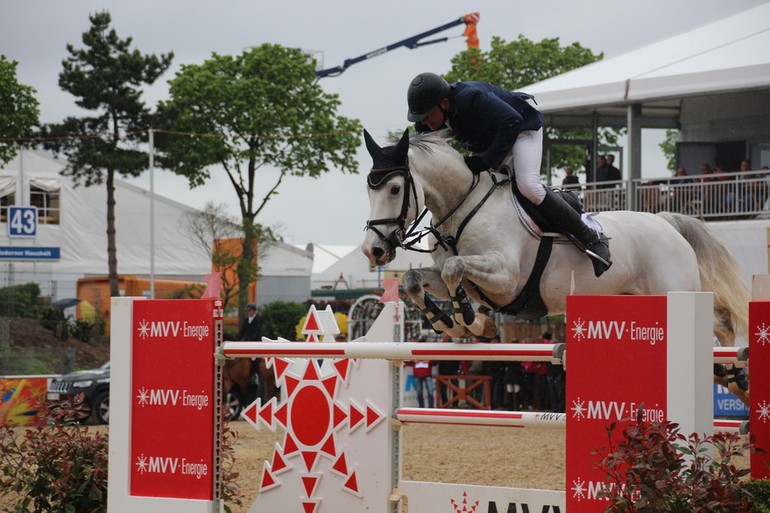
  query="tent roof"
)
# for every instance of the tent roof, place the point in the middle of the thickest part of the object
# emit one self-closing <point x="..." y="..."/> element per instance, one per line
<point x="721" y="57"/>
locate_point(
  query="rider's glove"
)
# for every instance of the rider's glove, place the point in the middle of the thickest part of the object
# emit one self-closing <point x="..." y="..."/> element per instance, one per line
<point x="476" y="163"/>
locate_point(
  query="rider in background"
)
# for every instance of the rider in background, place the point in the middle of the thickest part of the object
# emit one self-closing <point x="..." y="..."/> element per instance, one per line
<point x="505" y="132"/>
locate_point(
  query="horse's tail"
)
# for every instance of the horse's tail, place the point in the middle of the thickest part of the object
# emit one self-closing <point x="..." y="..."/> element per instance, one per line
<point x="718" y="269"/>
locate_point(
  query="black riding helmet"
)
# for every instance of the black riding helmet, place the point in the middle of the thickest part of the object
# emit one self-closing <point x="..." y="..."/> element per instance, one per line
<point x="425" y="92"/>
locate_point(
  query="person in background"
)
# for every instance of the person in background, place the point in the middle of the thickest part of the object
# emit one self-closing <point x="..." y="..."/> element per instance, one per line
<point x="251" y="329"/>
<point x="683" y="193"/>
<point x="514" y="380"/>
<point x="423" y="377"/>
<point x="496" y="371"/>
<point x="613" y="173"/>
<point x="571" y="180"/>
<point x="534" y="381"/>
<point x="446" y="368"/>
<point x="556" y="378"/>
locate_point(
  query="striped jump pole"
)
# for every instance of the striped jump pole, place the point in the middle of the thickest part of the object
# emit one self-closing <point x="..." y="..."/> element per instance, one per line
<point x="404" y="351"/>
<point x="731" y="354"/>
<point x="517" y="419"/>
<point x="395" y="351"/>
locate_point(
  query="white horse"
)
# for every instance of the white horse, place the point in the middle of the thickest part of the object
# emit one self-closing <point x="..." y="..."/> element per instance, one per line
<point x="486" y="251"/>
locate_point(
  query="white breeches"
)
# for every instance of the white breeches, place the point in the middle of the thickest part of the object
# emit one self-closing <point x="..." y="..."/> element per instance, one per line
<point x="525" y="158"/>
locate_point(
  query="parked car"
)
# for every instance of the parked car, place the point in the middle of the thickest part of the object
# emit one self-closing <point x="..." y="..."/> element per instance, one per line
<point x="94" y="384"/>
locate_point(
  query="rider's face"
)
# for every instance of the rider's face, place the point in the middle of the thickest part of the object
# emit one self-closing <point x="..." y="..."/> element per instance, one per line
<point x="435" y="118"/>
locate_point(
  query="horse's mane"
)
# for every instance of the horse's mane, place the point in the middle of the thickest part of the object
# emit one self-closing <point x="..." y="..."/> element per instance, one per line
<point x="427" y="142"/>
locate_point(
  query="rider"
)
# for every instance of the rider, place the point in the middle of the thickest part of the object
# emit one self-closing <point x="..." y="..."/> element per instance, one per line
<point x="504" y="131"/>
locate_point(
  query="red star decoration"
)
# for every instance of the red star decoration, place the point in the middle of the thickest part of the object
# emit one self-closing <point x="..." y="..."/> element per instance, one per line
<point x="311" y="417"/>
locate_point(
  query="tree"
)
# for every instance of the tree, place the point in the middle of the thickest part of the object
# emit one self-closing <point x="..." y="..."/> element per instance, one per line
<point x="668" y="146"/>
<point x="19" y="109"/>
<point x="516" y="64"/>
<point x="209" y="228"/>
<point x="258" y="112"/>
<point x="107" y="77"/>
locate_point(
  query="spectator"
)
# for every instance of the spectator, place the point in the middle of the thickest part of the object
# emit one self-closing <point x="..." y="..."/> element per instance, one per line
<point x="496" y="371"/>
<point x="707" y="190"/>
<point x="683" y="193"/>
<point x="602" y="171"/>
<point x="613" y="173"/>
<point x="571" y="180"/>
<point x="423" y="377"/>
<point x="556" y="378"/>
<point x="446" y="368"/>
<point x="251" y="329"/>
<point x="535" y="383"/>
<point x="764" y="197"/>
<point x="514" y="380"/>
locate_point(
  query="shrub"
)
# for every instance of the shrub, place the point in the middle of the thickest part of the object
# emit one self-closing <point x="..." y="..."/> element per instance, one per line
<point x="20" y="300"/>
<point x="59" y="465"/>
<point x="280" y="318"/>
<point x="55" y="466"/>
<point x="654" y="468"/>
<point x="759" y="489"/>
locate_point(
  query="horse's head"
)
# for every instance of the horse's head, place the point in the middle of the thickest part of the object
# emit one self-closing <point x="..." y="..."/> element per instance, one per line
<point x="394" y="197"/>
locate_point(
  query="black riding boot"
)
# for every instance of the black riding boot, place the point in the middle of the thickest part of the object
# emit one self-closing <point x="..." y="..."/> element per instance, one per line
<point x="567" y="220"/>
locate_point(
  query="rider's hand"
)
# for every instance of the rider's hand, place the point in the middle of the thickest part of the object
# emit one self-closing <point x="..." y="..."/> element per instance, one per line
<point x="476" y="163"/>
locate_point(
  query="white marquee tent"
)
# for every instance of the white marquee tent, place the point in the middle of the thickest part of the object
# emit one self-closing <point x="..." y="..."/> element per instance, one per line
<point x="712" y="83"/>
<point x="81" y="231"/>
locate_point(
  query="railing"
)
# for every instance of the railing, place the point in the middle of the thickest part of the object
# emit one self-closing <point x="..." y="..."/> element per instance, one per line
<point x="723" y="196"/>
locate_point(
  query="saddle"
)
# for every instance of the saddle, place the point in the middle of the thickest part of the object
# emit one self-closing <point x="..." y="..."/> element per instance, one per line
<point x="529" y="305"/>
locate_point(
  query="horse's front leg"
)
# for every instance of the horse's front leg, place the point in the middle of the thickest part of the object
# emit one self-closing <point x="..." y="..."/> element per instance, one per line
<point x="417" y="283"/>
<point x="490" y="274"/>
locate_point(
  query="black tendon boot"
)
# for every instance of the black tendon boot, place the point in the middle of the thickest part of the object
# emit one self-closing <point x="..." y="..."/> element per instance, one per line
<point x="567" y="220"/>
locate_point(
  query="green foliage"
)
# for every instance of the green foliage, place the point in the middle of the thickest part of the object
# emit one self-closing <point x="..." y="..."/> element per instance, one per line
<point x="192" y="291"/>
<point x="19" y="109"/>
<point x="759" y="489"/>
<point x="514" y="65"/>
<point x="280" y="318"/>
<point x="60" y="465"/>
<point x="669" y="149"/>
<point x="20" y="300"/>
<point x="106" y="77"/>
<point x="55" y="466"/>
<point x="653" y="468"/>
<point x="257" y="112"/>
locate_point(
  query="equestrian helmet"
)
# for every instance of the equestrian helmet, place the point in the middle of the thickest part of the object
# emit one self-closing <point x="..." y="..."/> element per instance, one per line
<point x="425" y="92"/>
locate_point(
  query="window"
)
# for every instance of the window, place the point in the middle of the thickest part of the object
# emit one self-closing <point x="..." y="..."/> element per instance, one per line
<point x="44" y="193"/>
<point x="7" y="196"/>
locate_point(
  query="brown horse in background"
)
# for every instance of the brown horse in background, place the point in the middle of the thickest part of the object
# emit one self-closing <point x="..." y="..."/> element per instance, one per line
<point x="238" y="379"/>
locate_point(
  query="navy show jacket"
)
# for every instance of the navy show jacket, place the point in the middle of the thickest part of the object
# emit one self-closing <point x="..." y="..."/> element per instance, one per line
<point x="486" y="119"/>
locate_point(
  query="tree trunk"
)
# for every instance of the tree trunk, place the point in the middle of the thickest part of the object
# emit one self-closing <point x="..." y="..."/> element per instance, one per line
<point x="248" y="257"/>
<point x="112" y="252"/>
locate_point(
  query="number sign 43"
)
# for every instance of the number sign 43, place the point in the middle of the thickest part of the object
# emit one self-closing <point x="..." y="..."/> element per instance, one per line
<point x="22" y="221"/>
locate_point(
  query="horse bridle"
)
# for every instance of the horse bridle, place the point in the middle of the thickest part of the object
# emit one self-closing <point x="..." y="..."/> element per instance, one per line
<point x="376" y="179"/>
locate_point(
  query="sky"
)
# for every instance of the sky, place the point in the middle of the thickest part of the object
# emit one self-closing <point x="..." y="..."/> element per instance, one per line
<point x="332" y="209"/>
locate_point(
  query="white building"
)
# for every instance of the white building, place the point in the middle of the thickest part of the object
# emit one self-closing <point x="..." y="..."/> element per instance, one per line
<point x="71" y="238"/>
